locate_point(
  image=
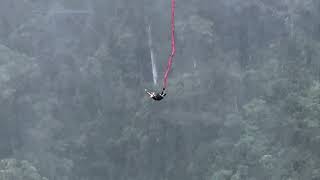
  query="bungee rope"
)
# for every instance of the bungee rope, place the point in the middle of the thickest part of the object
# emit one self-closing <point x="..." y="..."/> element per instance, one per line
<point x="173" y="48"/>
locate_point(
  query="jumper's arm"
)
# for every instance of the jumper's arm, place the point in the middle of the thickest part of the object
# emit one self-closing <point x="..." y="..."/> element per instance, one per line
<point x="150" y="94"/>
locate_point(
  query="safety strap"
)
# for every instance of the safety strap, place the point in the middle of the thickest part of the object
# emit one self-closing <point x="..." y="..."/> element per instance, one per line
<point x="173" y="48"/>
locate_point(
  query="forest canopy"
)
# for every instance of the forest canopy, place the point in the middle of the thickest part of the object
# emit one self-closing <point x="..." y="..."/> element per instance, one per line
<point x="243" y="99"/>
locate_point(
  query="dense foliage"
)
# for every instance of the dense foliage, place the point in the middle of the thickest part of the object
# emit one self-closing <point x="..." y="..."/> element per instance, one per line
<point x="243" y="101"/>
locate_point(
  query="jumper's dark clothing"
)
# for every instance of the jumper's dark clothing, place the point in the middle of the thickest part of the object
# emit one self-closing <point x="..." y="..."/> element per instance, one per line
<point x="158" y="96"/>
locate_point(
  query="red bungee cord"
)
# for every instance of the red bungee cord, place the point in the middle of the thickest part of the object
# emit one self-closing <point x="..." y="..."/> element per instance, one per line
<point x="173" y="48"/>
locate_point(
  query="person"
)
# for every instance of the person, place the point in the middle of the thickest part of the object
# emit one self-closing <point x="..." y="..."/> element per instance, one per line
<point x="157" y="96"/>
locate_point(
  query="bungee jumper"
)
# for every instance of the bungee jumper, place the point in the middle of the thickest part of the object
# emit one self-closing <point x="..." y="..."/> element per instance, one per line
<point x="156" y="96"/>
<point x="159" y="96"/>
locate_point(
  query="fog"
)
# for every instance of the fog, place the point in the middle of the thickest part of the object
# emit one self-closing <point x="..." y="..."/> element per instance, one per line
<point x="242" y="101"/>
